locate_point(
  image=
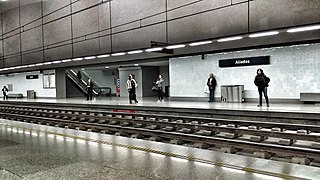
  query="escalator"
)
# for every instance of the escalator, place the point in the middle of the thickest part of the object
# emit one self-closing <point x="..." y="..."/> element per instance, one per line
<point x="81" y="84"/>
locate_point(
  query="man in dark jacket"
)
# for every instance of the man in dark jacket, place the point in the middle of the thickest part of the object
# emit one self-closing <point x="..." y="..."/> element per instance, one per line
<point x="212" y="83"/>
<point x="90" y="89"/>
<point x="262" y="82"/>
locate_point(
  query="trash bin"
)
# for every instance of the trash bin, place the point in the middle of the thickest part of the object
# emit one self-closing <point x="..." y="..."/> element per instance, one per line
<point x="31" y="94"/>
<point x="167" y="91"/>
<point x="232" y="93"/>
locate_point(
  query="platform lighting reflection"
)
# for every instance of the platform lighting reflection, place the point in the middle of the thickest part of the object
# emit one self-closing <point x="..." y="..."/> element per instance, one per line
<point x="118" y="54"/>
<point x="66" y="60"/>
<point x="135" y="52"/>
<point x="262" y="34"/>
<point x="154" y="49"/>
<point x="306" y="28"/>
<point x="90" y="57"/>
<point x="230" y="39"/>
<point x="262" y="176"/>
<point x="200" y="43"/>
<point x="233" y="170"/>
<point x="176" y="46"/>
<point x="103" y="56"/>
<point x="77" y="59"/>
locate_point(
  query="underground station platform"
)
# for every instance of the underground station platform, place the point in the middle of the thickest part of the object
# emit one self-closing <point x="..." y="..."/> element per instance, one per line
<point x="112" y="139"/>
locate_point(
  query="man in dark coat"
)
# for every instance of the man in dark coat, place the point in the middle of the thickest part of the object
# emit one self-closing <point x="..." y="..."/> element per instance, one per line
<point x="212" y="83"/>
<point x="90" y="89"/>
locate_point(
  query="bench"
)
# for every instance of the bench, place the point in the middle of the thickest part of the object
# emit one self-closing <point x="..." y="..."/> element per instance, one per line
<point x="15" y="95"/>
<point x="310" y="97"/>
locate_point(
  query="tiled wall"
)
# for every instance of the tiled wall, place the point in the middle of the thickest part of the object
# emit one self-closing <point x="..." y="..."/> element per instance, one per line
<point x="292" y="69"/>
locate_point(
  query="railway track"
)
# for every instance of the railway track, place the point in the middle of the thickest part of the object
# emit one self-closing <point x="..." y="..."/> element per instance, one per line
<point x="262" y="139"/>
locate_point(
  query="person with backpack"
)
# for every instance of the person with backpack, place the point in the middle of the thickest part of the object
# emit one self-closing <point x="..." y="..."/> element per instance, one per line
<point x="131" y="87"/>
<point x="262" y="82"/>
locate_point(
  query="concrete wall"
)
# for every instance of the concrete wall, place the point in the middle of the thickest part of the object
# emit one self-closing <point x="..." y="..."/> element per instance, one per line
<point x="293" y="69"/>
<point x="21" y="84"/>
<point x="38" y="31"/>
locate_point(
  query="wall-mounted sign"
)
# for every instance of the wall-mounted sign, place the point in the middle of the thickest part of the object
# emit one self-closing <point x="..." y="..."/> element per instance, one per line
<point x="249" y="61"/>
<point x="36" y="76"/>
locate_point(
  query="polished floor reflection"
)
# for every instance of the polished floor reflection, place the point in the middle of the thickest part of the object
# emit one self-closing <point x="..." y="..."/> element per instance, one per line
<point x="30" y="151"/>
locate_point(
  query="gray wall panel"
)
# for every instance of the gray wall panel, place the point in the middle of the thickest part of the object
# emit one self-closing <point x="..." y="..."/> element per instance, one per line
<point x="224" y="22"/>
<point x="104" y="16"/>
<point x="139" y="38"/>
<point x="105" y="44"/>
<point x="10" y="20"/>
<point x="85" y="22"/>
<point x="194" y="8"/>
<point x="57" y="31"/>
<point x="12" y="45"/>
<point x="30" y="13"/>
<point x="32" y="58"/>
<point x="280" y="13"/>
<point x="84" y="48"/>
<point x="54" y="5"/>
<point x="124" y="11"/>
<point x="15" y="61"/>
<point x="58" y="53"/>
<point x="31" y="39"/>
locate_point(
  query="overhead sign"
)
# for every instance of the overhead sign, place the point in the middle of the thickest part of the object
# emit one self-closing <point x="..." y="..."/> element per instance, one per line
<point x="249" y="61"/>
<point x="32" y="76"/>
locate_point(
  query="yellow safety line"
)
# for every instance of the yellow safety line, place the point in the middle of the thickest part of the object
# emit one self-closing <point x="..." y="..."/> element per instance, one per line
<point x="190" y="158"/>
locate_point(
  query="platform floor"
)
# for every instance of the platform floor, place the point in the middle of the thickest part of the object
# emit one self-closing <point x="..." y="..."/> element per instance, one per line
<point x="152" y="101"/>
<point x="30" y="151"/>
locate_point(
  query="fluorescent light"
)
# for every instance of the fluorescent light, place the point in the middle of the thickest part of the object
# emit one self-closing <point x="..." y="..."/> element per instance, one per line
<point x="135" y="52"/>
<point x="56" y="62"/>
<point x="39" y="64"/>
<point x="66" y="60"/>
<point x="270" y="33"/>
<point x="90" y="57"/>
<point x="176" y="46"/>
<point x="107" y="67"/>
<point x="200" y="43"/>
<point x="77" y="59"/>
<point x="136" y="64"/>
<point x="118" y="54"/>
<point x="154" y="49"/>
<point x="31" y="65"/>
<point x="306" y="28"/>
<point x="230" y="39"/>
<point x="47" y="63"/>
<point x="103" y="56"/>
<point x="24" y="66"/>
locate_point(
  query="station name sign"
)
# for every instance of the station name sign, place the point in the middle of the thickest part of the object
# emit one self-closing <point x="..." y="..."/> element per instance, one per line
<point x="249" y="61"/>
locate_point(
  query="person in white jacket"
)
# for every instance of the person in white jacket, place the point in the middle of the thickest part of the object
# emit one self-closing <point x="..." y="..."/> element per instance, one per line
<point x="158" y="83"/>
<point x="131" y="87"/>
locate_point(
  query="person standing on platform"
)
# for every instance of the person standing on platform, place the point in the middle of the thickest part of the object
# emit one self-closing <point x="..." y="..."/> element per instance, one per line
<point x="158" y="83"/>
<point x="262" y="82"/>
<point x="131" y="87"/>
<point x="211" y="83"/>
<point x="90" y="89"/>
<point x="5" y="92"/>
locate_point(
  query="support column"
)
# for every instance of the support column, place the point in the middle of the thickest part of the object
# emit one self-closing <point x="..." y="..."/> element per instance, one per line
<point x="61" y="90"/>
